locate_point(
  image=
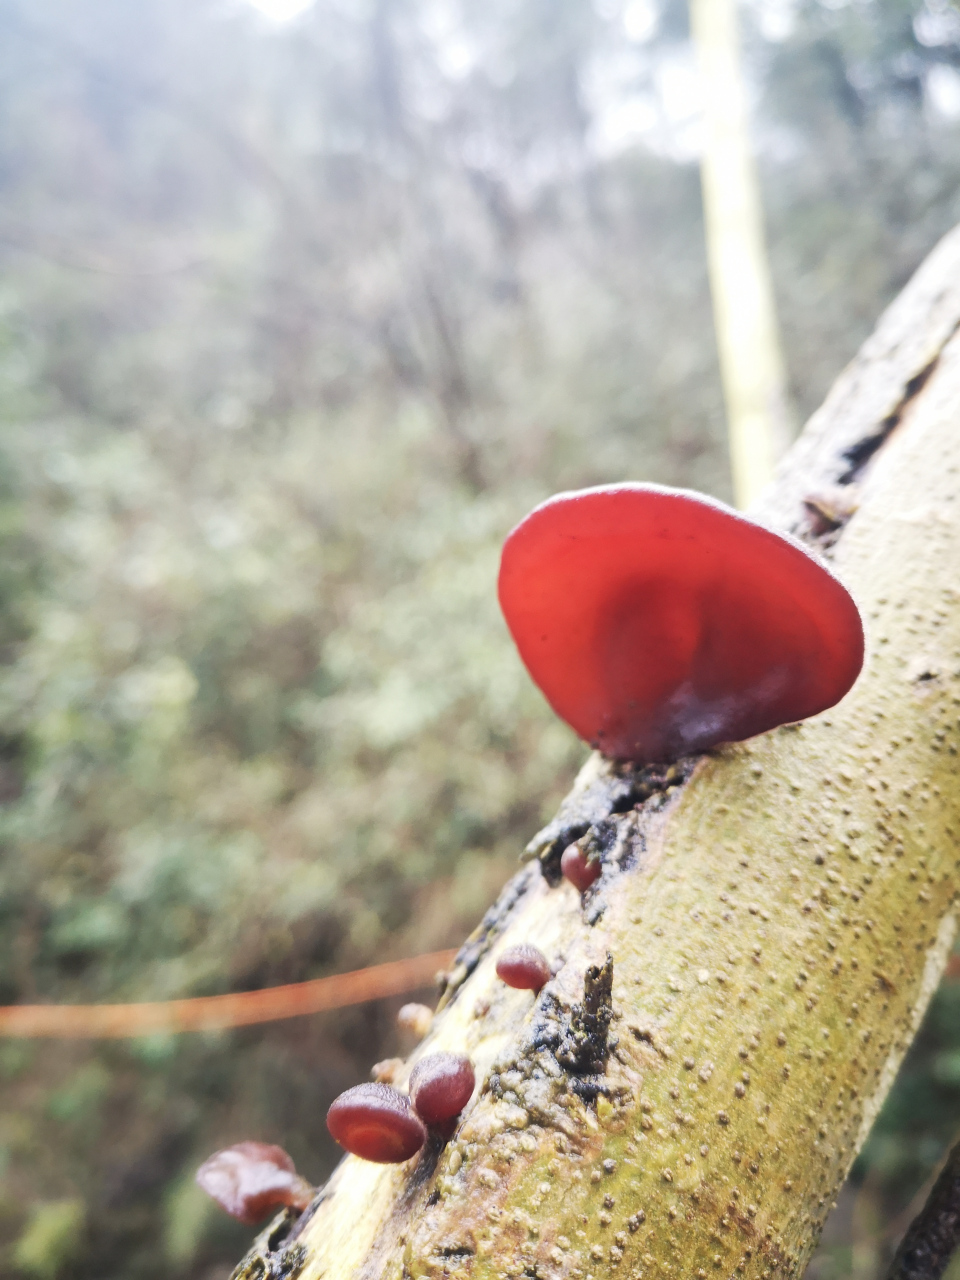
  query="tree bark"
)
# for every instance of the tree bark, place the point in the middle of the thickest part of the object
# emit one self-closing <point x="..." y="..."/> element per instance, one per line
<point x="776" y="915"/>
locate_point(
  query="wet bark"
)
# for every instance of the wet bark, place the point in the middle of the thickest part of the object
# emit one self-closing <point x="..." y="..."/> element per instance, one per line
<point x="776" y="915"/>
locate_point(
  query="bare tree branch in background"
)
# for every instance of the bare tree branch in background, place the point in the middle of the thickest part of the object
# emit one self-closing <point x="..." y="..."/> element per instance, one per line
<point x="934" y="1235"/>
<point x="748" y="340"/>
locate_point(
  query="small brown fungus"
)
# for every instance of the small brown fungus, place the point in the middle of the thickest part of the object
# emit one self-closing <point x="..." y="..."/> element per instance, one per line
<point x="252" y="1179"/>
<point x="580" y="870"/>
<point x="386" y="1072"/>
<point x="415" y="1018"/>
<point x="440" y="1086"/>
<point x="376" y="1122"/>
<point x="523" y="966"/>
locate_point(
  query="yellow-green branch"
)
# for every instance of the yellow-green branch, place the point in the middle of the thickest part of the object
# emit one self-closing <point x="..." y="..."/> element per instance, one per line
<point x="778" y="917"/>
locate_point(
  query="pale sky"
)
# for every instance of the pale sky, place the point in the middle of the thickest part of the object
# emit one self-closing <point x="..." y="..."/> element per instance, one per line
<point x="281" y="10"/>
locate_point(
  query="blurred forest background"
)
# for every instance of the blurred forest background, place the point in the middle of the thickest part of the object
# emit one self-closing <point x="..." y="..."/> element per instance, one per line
<point x="296" y="320"/>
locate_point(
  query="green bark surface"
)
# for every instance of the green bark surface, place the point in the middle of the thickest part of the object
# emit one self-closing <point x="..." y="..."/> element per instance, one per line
<point x="777" y="915"/>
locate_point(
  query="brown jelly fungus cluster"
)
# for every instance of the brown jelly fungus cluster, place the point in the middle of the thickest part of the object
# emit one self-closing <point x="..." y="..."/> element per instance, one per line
<point x="659" y="623"/>
<point x="253" y="1179"/>
<point x="523" y="966"/>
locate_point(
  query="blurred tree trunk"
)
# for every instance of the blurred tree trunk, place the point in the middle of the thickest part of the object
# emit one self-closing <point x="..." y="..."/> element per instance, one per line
<point x="776" y="916"/>
<point x="745" y="313"/>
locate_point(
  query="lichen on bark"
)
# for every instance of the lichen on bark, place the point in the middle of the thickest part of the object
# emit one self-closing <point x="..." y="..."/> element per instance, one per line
<point x="733" y="997"/>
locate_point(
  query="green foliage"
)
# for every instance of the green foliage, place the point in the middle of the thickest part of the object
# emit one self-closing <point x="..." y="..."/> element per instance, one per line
<point x="294" y="324"/>
<point x="187" y="1212"/>
<point x="51" y="1238"/>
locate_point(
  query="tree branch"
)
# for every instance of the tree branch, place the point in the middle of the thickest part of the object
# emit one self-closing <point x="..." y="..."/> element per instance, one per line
<point x="778" y="914"/>
<point x="934" y="1234"/>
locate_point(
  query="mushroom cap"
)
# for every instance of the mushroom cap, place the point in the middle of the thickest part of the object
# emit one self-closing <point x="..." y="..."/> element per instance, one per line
<point x="376" y="1122"/>
<point x="415" y="1018"/>
<point x="580" y="870"/>
<point x="658" y="622"/>
<point x="441" y="1085"/>
<point x="524" y="967"/>
<point x="251" y="1179"/>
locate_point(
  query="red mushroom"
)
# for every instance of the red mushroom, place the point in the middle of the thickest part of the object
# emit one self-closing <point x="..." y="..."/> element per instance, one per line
<point x="523" y="966"/>
<point x="580" y="870"/>
<point x="252" y="1179"/>
<point x="376" y="1122"/>
<point x="658" y="622"/>
<point x="440" y="1087"/>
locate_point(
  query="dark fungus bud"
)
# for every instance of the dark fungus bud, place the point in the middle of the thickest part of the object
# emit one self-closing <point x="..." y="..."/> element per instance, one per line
<point x="252" y="1179"/>
<point x="580" y="870"/>
<point x="376" y="1122"/>
<point x="440" y="1086"/>
<point x="523" y="966"/>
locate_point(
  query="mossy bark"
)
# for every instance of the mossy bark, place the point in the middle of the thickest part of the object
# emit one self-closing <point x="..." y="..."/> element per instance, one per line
<point x="777" y="915"/>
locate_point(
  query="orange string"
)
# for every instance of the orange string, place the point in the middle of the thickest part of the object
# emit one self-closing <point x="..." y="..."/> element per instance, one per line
<point x="204" y="1013"/>
<point x="242" y="1009"/>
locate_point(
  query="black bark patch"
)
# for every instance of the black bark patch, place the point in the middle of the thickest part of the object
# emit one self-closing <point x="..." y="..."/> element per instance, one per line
<point x="291" y="1262"/>
<point x="451" y="1251"/>
<point x="584" y="1046"/>
<point x="566" y="1048"/>
<point x="479" y="942"/>
<point x="578" y="1038"/>
<point x="621" y="787"/>
<point x="858" y="455"/>
<point x="271" y="1257"/>
<point x="619" y="844"/>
